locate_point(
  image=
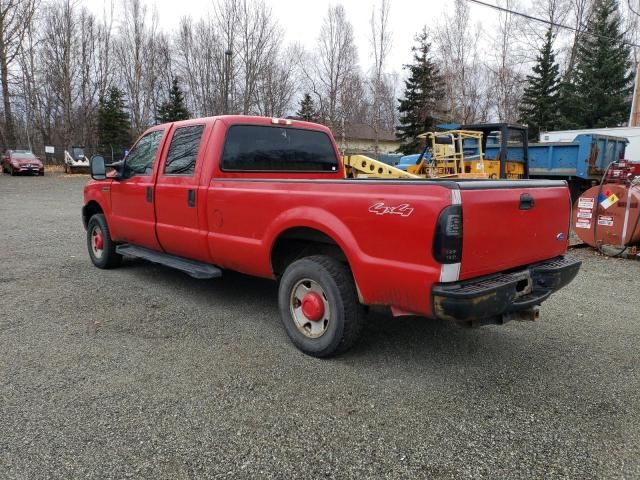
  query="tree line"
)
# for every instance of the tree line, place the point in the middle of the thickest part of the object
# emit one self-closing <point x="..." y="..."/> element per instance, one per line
<point x="69" y="75"/>
<point x="582" y="77"/>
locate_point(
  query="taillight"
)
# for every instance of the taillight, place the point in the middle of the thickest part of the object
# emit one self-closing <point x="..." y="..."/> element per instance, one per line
<point x="447" y="241"/>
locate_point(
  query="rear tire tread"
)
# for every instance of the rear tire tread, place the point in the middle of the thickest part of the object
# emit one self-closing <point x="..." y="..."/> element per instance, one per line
<point x="354" y="312"/>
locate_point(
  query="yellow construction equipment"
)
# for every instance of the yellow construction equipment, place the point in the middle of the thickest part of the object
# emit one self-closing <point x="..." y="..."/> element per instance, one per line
<point x="450" y="154"/>
<point x="361" y="166"/>
<point x="447" y="157"/>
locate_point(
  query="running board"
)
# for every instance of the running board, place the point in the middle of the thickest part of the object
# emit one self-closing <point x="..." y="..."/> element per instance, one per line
<point x="195" y="269"/>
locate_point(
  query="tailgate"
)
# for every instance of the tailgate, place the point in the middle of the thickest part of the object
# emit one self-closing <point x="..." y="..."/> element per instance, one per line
<point x="509" y="224"/>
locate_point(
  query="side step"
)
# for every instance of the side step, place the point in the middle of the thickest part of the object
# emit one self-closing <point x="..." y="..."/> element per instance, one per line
<point x="195" y="269"/>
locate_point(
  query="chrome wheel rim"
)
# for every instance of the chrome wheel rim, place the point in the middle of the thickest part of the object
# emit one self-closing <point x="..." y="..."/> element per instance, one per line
<point x="309" y="308"/>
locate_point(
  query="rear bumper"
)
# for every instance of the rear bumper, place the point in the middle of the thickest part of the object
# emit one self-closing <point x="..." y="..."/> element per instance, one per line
<point x="491" y="299"/>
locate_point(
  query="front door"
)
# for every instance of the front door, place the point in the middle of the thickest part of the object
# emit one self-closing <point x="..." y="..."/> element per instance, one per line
<point x="178" y="201"/>
<point x="133" y="215"/>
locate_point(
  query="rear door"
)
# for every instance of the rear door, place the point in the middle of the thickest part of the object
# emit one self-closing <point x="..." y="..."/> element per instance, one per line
<point x="509" y="224"/>
<point x="178" y="201"/>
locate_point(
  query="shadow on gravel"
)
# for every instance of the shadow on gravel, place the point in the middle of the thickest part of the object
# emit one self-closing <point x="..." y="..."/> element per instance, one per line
<point x="421" y="342"/>
<point x="234" y="286"/>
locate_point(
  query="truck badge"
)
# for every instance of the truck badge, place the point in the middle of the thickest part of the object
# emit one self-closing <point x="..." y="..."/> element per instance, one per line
<point x="380" y="208"/>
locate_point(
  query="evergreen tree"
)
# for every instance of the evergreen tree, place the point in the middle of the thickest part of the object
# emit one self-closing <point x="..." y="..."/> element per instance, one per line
<point x="423" y="91"/>
<point x="597" y="94"/>
<point x="174" y="108"/>
<point x="539" y="106"/>
<point x="307" y="110"/>
<point x="113" y="121"/>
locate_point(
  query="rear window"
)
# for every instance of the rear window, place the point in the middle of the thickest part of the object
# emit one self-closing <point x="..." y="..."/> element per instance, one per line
<point x="261" y="148"/>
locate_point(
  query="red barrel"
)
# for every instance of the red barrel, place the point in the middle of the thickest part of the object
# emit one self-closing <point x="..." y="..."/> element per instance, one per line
<point x="608" y="215"/>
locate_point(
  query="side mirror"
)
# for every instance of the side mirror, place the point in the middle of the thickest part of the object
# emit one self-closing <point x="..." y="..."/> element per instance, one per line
<point x="98" y="168"/>
<point x="119" y="169"/>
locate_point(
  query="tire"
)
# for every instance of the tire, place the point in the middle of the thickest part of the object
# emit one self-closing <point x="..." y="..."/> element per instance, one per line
<point x="105" y="257"/>
<point x="41" y="174"/>
<point x="12" y="171"/>
<point x="330" y="283"/>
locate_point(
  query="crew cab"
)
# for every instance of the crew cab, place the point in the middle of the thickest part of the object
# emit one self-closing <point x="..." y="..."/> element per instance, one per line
<point x="18" y="162"/>
<point x="268" y="197"/>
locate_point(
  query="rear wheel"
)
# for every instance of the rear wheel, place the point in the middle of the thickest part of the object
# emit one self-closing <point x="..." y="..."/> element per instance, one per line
<point x="102" y="250"/>
<point x="319" y="306"/>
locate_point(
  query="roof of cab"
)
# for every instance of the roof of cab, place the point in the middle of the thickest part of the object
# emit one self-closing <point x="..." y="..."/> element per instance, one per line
<point x="254" y="120"/>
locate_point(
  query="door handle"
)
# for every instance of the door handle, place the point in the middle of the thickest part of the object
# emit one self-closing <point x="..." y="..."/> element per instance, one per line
<point x="149" y="194"/>
<point x="191" y="198"/>
<point x="526" y="202"/>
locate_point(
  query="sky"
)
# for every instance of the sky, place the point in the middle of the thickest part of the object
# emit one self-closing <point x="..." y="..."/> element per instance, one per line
<point x="301" y="20"/>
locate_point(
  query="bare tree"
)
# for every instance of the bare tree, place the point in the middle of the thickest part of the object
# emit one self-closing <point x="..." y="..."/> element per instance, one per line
<point x="332" y="65"/>
<point x="456" y="41"/>
<point x="58" y="54"/>
<point x="233" y="62"/>
<point x="259" y="37"/>
<point x="200" y="63"/>
<point x="580" y="14"/>
<point x="506" y="78"/>
<point x="15" y="18"/>
<point x="136" y="52"/>
<point x="389" y="102"/>
<point x="381" y="44"/>
<point x="277" y="85"/>
<point x="355" y="106"/>
<point x="227" y="16"/>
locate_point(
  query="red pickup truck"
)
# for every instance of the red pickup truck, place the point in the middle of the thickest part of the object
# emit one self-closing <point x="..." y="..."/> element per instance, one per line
<point x="268" y="197"/>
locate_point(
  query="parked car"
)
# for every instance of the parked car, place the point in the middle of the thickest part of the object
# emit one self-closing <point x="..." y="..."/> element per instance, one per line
<point x="21" y="162"/>
<point x="268" y="197"/>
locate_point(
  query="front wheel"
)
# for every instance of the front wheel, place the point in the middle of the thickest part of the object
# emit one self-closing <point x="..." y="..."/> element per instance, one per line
<point x="319" y="306"/>
<point x="102" y="250"/>
<point x="12" y="171"/>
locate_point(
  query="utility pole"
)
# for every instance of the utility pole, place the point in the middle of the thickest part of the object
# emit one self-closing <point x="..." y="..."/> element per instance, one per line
<point x="227" y="72"/>
<point x="634" y="118"/>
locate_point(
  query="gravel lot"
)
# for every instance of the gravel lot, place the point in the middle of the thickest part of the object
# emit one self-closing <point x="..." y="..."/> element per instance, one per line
<point x="143" y="372"/>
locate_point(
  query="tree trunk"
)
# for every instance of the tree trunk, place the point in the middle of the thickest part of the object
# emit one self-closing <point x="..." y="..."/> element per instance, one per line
<point x="10" y="136"/>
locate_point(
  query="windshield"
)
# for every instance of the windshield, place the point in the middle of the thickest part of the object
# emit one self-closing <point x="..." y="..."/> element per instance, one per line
<point x="24" y="155"/>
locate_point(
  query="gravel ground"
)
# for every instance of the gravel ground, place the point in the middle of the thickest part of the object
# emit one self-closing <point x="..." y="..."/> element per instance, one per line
<point x="143" y="372"/>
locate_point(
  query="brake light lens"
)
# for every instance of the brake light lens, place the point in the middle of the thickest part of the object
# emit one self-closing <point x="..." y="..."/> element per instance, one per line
<point x="281" y="121"/>
<point x="447" y="241"/>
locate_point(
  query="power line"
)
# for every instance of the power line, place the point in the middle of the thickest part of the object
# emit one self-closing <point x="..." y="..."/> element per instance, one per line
<point x="548" y="22"/>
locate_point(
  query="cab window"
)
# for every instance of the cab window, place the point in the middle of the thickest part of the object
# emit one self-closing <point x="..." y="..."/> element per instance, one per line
<point x="143" y="154"/>
<point x="183" y="152"/>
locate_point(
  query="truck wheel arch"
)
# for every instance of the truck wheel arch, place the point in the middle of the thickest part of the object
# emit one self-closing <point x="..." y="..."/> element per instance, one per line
<point x="89" y="210"/>
<point x="298" y="242"/>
